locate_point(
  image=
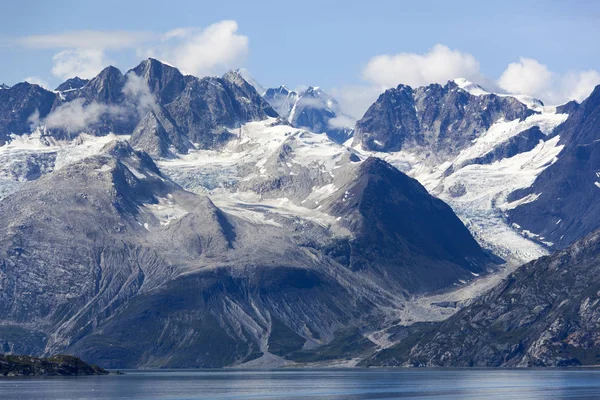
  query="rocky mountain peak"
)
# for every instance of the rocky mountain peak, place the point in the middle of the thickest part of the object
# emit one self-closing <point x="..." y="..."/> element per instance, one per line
<point x="106" y="87"/>
<point x="164" y="81"/>
<point x="72" y="83"/>
<point x="436" y="118"/>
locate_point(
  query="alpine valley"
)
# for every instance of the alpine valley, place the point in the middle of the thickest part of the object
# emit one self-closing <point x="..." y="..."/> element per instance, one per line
<point x="159" y="220"/>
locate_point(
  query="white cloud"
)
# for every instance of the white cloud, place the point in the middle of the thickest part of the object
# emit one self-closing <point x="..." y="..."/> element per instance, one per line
<point x="74" y="116"/>
<point x="204" y="51"/>
<point x="137" y="91"/>
<point x="579" y="85"/>
<point x="527" y="76"/>
<point x="354" y="100"/>
<point x="342" y="121"/>
<point x="84" y="63"/>
<point x="439" y="65"/>
<point x="86" y="39"/>
<point x="530" y="77"/>
<point x="195" y="50"/>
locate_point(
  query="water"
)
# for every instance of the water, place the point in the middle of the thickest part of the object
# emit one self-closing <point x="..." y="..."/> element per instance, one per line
<point x="314" y="384"/>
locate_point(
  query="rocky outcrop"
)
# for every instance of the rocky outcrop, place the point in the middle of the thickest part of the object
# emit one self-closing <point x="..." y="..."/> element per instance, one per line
<point x="567" y="205"/>
<point x="434" y="118"/>
<point x="402" y="233"/>
<point x="21" y="106"/>
<point x="60" y="365"/>
<point x="546" y="314"/>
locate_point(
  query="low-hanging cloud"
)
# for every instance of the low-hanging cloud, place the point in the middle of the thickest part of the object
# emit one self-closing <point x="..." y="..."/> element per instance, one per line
<point x="138" y="93"/>
<point x="440" y="64"/>
<point x="76" y="116"/>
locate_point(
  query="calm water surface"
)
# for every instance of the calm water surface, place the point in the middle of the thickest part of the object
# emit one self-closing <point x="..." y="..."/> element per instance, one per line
<point x="314" y="384"/>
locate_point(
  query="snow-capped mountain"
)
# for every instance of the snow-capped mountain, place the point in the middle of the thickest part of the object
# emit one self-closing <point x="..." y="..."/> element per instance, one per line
<point x="471" y="148"/>
<point x="160" y="202"/>
<point x="243" y="237"/>
<point x="309" y="108"/>
<point x="563" y="204"/>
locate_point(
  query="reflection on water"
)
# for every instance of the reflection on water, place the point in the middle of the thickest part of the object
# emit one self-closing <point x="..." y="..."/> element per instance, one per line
<point x="315" y="384"/>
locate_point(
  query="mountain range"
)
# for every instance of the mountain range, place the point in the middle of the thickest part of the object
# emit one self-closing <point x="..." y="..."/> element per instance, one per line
<point x="156" y="219"/>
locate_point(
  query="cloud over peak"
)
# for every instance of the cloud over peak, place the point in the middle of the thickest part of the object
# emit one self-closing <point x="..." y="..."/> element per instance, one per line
<point x="198" y="51"/>
<point x="438" y="65"/>
<point x="204" y="51"/>
<point x="441" y="64"/>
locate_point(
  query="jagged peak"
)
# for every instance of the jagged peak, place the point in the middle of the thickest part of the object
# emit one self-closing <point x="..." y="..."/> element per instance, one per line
<point x="152" y="64"/>
<point x="4" y="86"/>
<point x="109" y="71"/>
<point x="235" y="77"/>
<point x="72" y="83"/>
<point x="121" y="150"/>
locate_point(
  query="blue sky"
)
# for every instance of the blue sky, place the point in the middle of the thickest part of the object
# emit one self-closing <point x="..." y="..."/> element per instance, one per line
<point x="332" y="44"/>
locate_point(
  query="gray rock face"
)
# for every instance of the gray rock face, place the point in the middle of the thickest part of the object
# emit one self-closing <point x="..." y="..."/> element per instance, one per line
<point x="19" y="104"/>
<point x="158" y="135"/>
<point x="281" y="99"/>
<point x="207" y="108"/>
<point x="401" y="232"/>
<point x="547" y="313"/>
<point x="439" y="119"/>
<point x="568" y="205"/>
<point x="165" y="82"/>
<point x="166" y="106"/>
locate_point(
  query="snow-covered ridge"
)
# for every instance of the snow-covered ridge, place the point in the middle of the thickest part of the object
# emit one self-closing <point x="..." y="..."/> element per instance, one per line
<point x="470" y="87"/>
<point x="477" y="192"/>
<point x="27" y="157"/>
<point x="476" y="90"/>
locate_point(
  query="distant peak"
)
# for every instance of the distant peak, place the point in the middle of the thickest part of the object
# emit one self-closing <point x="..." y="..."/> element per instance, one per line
<point x="4" y="86"/>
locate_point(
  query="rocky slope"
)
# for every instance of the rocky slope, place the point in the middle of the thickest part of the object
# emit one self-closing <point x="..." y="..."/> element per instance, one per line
<point x="473" y="149"/>
<point x="563" y="204"/>
<point x="109" y="242"/>
<point x="545" y="314"/>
